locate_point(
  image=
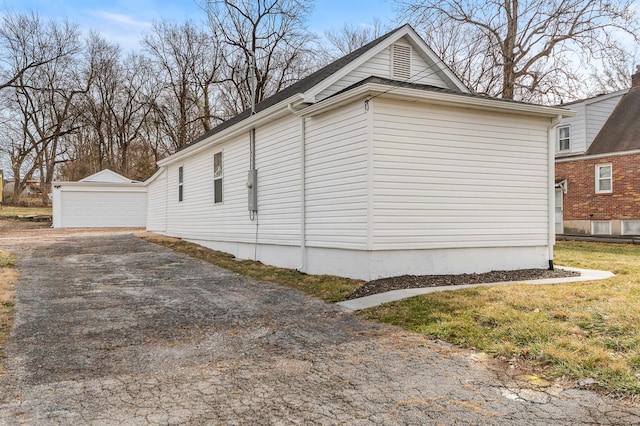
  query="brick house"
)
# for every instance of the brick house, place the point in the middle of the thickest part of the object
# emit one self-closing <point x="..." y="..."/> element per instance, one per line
<point x="598" y="190"/>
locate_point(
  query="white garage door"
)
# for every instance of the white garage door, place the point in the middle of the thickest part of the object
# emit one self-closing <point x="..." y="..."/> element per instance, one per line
<point x="104" y="209"/>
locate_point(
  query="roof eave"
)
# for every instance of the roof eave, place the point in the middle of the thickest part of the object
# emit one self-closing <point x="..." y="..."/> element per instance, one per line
<point x="459" y="100"/>
<point x="154" y="176"/>
<point x="596" y="156"/>
<point x="132" y="184"/>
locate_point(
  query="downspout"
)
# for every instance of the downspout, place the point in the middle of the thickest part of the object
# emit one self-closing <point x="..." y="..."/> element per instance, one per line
<point x="551" y="142"/>
<point x="303" y="155"/>
<point x="303" y="241"/>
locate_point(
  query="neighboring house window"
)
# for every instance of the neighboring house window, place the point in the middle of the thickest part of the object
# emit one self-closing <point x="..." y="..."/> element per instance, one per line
<point x="217" y="177"/>
<point x="564" y="138"/>
<point x="604" y="181"/>
<point x="601" y="227"/>
<point x="180" y="183"/>
<point x="631" y="227"/>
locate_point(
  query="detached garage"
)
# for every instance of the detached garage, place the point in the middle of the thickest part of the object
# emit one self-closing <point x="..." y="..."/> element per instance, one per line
<point x="102" y="200"/>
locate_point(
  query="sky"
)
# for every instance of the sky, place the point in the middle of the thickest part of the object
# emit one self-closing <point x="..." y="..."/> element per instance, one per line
<point x="123" y="21"/>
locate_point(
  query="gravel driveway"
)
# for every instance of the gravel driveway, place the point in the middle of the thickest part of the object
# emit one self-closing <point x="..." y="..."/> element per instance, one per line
<point x="114" y="330"/>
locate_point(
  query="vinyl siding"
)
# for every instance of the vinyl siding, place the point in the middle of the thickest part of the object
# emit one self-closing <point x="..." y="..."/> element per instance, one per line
<point x="380" y="66"/>
<point x="597" y="114"/>
<point x="157" y="203"/>
<point x="278" y="164"/>
<point x="591" y="115"/>
<point x="578" y="141"/>
<point x="336" y="178"/>
<point x="277" y="160"/>
<point x="451" y="178"/>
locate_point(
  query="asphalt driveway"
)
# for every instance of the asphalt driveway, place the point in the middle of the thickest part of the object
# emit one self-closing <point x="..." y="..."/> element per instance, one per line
<point x="114" y="330"/>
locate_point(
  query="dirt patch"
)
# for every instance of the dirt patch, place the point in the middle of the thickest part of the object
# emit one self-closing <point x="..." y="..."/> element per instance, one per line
<point x="13" y="231"/>
<point x="10" y="224"/>
<point x="420" y="281"/>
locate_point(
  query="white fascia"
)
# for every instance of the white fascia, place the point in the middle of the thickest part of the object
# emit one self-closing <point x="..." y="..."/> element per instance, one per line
<point x="434" y="97"/>
<point x="154" y="176"/>
<point x="99" y="184"/>
<point x="596" y="156"/>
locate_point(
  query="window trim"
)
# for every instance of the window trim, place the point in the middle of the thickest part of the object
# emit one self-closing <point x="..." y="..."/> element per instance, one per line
<point x="598" y="179"/>
<point x="592" y="226"/>
<point x="220" y="178"/>
<point x="180" y="184"/>
<point x="568" y="138"/>
<point x="622" y="223"/>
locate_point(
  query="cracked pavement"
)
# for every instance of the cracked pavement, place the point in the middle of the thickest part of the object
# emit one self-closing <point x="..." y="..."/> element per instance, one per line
<point x="113" y="330"/>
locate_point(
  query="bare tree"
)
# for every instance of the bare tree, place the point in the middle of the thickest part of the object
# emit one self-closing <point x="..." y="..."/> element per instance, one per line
<point x="350" y="37"/>
<point x="614" y="75"/>
<point x="527" y="50"/>
<point x="187" y="62"/>
<point x="40" y="102"/>
<point x="269" y="34"/>
<point x="28" y="42"/>
<point x="112" y="114"/>
<point x="47" y="114"/>
<point x="21" y="154"/>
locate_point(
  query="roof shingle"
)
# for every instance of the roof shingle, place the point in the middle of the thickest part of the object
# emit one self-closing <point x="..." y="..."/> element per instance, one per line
<point x="621" y="131"/>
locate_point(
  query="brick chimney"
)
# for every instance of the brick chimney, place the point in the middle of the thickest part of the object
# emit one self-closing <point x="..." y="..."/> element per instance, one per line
<point x="635" y="78"/>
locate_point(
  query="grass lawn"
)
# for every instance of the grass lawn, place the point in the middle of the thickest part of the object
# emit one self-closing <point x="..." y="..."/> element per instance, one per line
<point x="25" y="211"/>
<point x="579" y="331"/>
<point x="8" y="277"/>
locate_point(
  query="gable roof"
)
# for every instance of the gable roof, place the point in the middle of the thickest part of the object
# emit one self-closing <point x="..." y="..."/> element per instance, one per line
<point x="621" y="131"/>
<point x="107" y="176"/>
<point x="373" y="87"/>
<point x="333" y="69"/>
<point x="593" y="99"/>
<point x="300" y="97"/>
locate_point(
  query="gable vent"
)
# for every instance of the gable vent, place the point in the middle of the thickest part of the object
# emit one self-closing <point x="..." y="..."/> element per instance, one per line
<point x="401" y="61"/>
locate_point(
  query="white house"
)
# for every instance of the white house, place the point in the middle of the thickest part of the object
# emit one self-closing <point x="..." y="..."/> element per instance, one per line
<point x="380" y="164"/>
<point x="102" y="200"/>
<point x="575" y="134"/>
<point x="596" y="176"/>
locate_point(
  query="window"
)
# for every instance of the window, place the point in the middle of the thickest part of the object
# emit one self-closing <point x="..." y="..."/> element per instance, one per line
<point x="604" y="181"/>
<point x="601" y="227"/>
<point x="564" y="138"/>
<point x="631" y="227"/>
<point x="217" y="177"/>
<point x="180" y="183"/>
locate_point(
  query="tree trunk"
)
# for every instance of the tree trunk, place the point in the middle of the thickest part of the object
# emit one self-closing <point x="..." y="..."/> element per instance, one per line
<point x="508" y="49"/>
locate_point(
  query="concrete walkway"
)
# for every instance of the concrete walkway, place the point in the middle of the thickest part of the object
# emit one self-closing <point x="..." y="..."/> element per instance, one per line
<point x="392" y="296"/>
<point x="112" y="330"/>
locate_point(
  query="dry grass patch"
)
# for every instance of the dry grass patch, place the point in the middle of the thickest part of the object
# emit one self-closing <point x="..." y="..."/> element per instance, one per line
<point x="326" y="287"/>
<point x="579" y="331"/>
<point x="8" y="278"/>
<point x="10" y="211"/>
